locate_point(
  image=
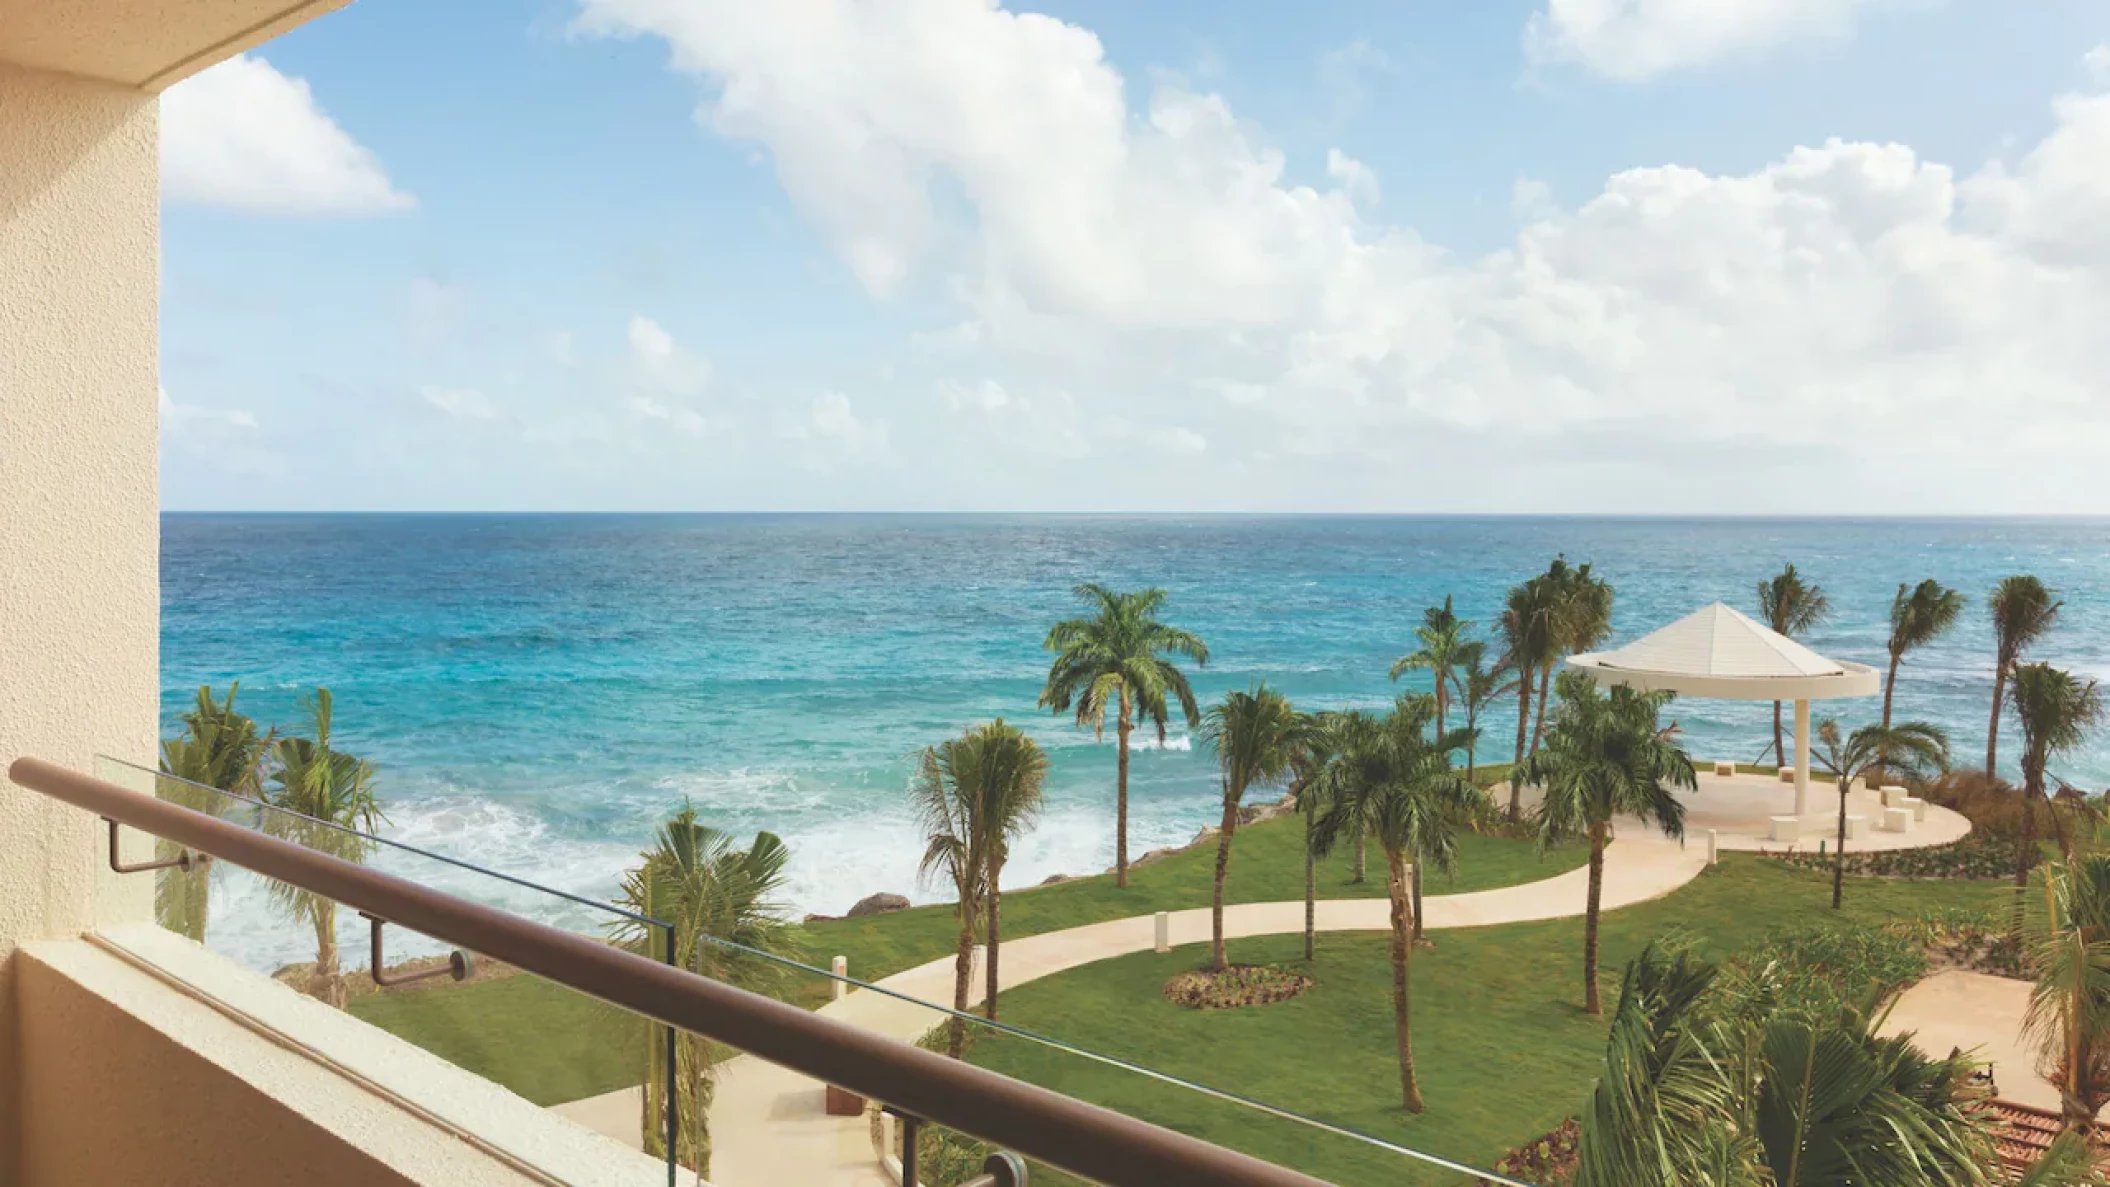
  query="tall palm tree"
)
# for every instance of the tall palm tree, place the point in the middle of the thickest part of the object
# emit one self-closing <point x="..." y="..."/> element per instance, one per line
<point x="1480" y="687"/>
<point x="1355" y="744"/>
<point x="1012" y="775"/>
<point x="1582" y="618"/>
<point x="1709" y="1080"/>
<point x="1606" y="756"/>
<point x="1920" y="748"/>
<point x="222" y="749"/>
<point x="1315" y="752"/>
<point x="1791" y="607"/>
<point x="2069" y="1007"/>
<point x="727" y="923"/>
<point x="1530" y="646"/>
<point x="325" y="801"/>
<point x="1919" y="615"/>
<point x="1118" y="657"/>
<point x="2024" y="611"/>
<point x="948" y="809"/>
<point x="1411" y="806"/>
<point x="1256" y="735"/>
<point x="1442" y="653"/>
<point x="2055" y="711"/>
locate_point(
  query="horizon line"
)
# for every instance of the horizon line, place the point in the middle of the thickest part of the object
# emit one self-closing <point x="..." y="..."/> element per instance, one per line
<point x="1895" y="516"/>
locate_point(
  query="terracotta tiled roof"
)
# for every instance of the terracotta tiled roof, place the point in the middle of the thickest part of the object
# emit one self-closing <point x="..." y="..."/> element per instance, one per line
<point x="2022" y="1133"/>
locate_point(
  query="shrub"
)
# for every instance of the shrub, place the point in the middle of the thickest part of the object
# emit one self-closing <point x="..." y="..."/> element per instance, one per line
<point x="1977" y="855"/>
<point x="1548" y="1160"/>
<point x="1824" y="965"/>
<point x="1239" y="985"/>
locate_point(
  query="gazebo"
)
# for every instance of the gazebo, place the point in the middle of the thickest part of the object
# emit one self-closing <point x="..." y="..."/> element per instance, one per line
<point x="1717" y="652"/>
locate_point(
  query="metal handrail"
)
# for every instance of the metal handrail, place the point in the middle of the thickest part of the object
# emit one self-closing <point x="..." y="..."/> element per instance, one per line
<point x="1084" y="1139"/>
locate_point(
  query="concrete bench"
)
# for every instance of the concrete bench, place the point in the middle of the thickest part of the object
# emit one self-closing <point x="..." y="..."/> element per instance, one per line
<point x="1787" y="774"/>
<point x="1725" y="770"/>
<point x="1853" y="826"/>
<point x="1897" y="820"/>
<point x="1918" y="806"/>
<point x="1786" y="828"/>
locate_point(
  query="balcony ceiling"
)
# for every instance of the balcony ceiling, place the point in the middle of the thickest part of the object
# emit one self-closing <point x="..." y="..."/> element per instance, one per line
<point x="148" y="44"/>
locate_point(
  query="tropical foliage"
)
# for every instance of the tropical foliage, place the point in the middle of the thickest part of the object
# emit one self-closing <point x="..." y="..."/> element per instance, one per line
<point x="1792" y="607"/>
<point x="1914" y="746"/>
<point x="1120" y="657"/>
<point x="723" y="919"/>
<point x="1607" y="756"/>
<point x="2069" y="1006"/>
<point x="1256" y="736"/>
<point x="219" y="748"/>
<point x="1919" y="615"/>
<point x="1443" y="654"/>
<point x="1392" y="784"/>
<point x="2055" y="711"/>
<point x="325" y="802"/>
<point x="1711" y="1079"/>
<point x="2024" y="610"/>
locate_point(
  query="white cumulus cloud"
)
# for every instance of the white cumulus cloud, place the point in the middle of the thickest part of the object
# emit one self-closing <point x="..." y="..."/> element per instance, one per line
<point x="1633" y="40"/>
<point x="244" y="136"/>
<point x="463" y="404"/>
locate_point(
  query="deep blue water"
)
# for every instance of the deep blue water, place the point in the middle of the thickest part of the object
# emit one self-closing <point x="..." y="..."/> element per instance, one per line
<point x="539" y="690"/>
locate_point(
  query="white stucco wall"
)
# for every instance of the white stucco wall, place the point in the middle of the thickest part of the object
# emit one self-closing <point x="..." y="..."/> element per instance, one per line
<point x="79" y="528"/>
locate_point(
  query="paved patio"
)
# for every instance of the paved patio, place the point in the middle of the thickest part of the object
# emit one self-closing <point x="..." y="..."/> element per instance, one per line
<point x="1740" y="810"/>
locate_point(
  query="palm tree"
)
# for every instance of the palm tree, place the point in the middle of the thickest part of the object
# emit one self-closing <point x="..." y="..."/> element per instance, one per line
<point x="1012" y="774"/>
<point x="1606" y="756"/>
<point x="1308" y="765"/>
<point x="1529" y="646"/>
<point x="1922" y="748"/>
<point x="1256" y="735"/>
<point x="1118" y="657"/>
<point x="1918" y="615"/>
<point x="1709" y="1080"/>
<point x="948" y="808"/>
<point x="1442" y="653"/>
<point x="221" y="749"/>
<point x="2069" y="1007"/>
<point x="1411" y="803"/>
<point x="325" y="802"/>
<point x="726" y="924"/>
<point x="2024" y="610"/>
<point x="1791" y="608"/>
<point x="1480" y="687"/>
<point x="1582" y="616"/>
<point x="2055" y="711"/>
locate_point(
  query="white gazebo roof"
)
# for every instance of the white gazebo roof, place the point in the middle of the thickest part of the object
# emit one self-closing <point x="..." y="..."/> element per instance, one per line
<point x="1717" y="652"/>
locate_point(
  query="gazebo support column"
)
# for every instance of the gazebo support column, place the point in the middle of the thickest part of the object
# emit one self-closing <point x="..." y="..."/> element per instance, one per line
<point x="1802" y="757"/>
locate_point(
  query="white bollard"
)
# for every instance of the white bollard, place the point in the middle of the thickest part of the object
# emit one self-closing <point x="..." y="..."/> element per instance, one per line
<point x="841" y="968"/>
<point x="1164" y="922"/>
<point x="1712" y="846"/>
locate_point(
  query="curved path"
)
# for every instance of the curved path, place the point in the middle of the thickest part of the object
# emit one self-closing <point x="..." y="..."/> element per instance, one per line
<point x="768" y="1124"/>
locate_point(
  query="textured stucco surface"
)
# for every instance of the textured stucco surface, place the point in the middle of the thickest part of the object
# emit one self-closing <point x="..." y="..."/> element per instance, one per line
<point x="142" y="43"/>
<point x="79" y="530"/>
<point x="130" y="1081"/>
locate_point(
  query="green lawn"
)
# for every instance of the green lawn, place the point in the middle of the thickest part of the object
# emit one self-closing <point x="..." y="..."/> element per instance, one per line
<point x="1504" y="1049"/>
<point x="551" y="1044"/>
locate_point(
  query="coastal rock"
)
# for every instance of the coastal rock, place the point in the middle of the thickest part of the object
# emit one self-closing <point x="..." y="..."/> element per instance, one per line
<point x="822" y="918"/>
<point x="1056" y="879"/>
<point x="878" y="904"/>
<point x="1255" y="813"/>
<point x="1153" y="855"/>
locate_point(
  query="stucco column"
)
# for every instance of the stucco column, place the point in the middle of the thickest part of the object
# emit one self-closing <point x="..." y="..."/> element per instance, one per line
<point x="79" y="498"/>
<point x="1802" y="757"/>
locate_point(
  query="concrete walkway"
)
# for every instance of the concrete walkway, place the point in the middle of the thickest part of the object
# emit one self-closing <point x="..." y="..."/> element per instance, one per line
<point x="768" y="1124"/>
<point x="1979" y="1012"/>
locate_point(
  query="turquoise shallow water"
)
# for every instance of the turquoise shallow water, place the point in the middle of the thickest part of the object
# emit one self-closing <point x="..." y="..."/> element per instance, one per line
<point x="540" y="690"/>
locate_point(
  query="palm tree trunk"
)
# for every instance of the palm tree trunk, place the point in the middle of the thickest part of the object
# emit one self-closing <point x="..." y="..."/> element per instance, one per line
<point x="1121" y="729"/>
<point x="1839" y="854"/>
<point x="1538" y="730"/>
<point x="1516" y="769"/>
<point x="328" y="983"/>
<point x="1780" y="750"/>
<point x="1443" y="703"/>
<point x="1591" y="1004"/>
<point x="1992" y="728"/>
<point x="1417" y="899"/>
<point x="1217" y="959"/>
<point x="962" y="978"/>
<point x="1362" y="854"/>
<point x="1402" y="954"/>
<point x="2026" y="845"/>
<point x="1472" y="748"/>
<point x="1311" y="898"/>
<point x="1890" y="686"/>
<point x="995" y="937"/>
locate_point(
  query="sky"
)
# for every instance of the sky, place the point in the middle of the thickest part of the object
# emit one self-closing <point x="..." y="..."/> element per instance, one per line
<point x="1529" y="256"/>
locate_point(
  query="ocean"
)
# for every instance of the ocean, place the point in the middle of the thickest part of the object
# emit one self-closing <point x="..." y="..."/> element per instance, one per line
<point x="539" y="691"/>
